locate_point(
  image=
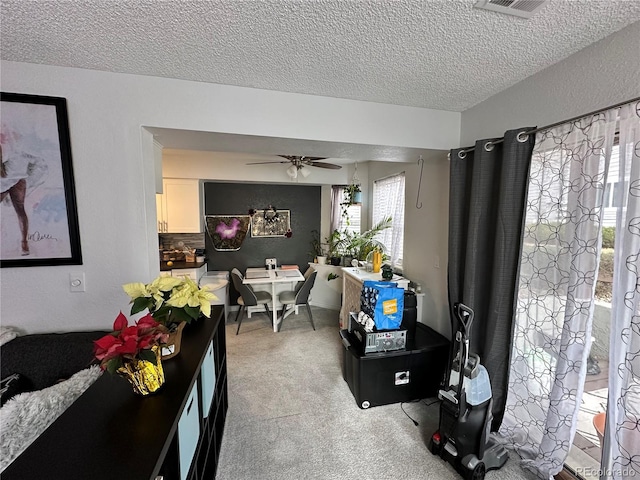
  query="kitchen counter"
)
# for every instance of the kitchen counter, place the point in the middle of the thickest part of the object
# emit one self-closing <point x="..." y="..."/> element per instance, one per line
<point x="179" y="265"/>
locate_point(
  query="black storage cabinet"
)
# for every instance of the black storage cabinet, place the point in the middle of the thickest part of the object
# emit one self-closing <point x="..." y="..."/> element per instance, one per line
<point x="381" y="378"/>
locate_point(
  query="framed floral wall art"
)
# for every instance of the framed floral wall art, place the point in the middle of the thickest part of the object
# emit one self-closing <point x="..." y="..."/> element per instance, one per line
<point x="38" y="217"/>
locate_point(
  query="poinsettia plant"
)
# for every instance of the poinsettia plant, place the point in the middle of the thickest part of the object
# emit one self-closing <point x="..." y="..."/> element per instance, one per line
<point x="170" y="299"/>
<point x="127" y="343"/>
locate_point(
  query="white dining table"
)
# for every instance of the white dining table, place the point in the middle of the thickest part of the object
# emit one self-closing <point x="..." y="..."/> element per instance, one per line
<point x="262" y="276"/>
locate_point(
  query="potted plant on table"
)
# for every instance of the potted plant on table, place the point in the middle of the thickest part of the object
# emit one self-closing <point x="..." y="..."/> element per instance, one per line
<point x="173" y="302"/>
<point x="334" y="241"/>
<point x="360" y="245"/>
<point x="134" y="352"/>
<point x="317" y="252"/>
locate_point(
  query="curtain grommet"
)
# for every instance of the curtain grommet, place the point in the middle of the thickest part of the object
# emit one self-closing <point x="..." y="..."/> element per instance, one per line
<point x="462" y="154"/>
<point x="522" y="137"/>
<point x="489" y="146"/>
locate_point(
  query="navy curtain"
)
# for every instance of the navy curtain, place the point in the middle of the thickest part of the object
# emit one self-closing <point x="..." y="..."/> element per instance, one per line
<point x="488" y="188"/>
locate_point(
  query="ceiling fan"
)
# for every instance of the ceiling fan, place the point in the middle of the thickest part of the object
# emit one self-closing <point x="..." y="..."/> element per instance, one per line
<point x="300" y="161"/>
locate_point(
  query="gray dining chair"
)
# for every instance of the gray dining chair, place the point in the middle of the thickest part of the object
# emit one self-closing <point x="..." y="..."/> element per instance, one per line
<point x="299" y="296"/>
<point x="248" y="297"/>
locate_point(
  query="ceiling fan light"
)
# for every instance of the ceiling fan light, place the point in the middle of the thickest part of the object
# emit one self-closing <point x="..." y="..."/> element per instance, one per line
<point x="305" y="172"/>
<point x="292" y="171"/>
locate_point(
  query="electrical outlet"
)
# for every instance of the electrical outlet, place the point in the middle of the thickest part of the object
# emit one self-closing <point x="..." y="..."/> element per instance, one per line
<point x="402" y="378"/>
<point x="76" y="282"/>
<point x="271" y="263"/>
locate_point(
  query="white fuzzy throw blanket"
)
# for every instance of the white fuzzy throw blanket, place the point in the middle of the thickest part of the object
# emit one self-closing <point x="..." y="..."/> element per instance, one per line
<point x="7" y="334"/>
<point x="27" y="415"/>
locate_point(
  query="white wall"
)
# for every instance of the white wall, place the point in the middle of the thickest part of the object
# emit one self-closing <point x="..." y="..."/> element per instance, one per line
<point x="603" y="74"/>
<point x="425" y="233"/>
<point x="115" y="173"/>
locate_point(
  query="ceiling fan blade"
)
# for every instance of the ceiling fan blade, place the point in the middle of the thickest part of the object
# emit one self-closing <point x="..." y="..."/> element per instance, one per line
<point x="262" y="163"/>
<point x="301" y="158"/>
<point x="326" y="165"/>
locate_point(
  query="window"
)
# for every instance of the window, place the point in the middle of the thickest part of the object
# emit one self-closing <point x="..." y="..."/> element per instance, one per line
<point x="613" y="194"/>
<point x="343" y="217"/>
<point x="388" y="201"/>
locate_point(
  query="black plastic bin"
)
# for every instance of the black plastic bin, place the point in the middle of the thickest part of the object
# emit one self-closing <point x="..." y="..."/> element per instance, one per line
<point x="397" y="376"/>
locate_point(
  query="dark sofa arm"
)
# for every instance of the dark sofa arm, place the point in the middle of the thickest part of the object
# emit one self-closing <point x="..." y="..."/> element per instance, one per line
<point x="46" y="358"/>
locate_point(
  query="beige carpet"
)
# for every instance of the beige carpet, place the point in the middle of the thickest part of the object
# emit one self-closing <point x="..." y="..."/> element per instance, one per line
<point x="292" y="416"/>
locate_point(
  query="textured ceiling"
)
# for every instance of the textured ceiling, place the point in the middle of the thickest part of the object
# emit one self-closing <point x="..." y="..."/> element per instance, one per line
<point x="440" y="54"/>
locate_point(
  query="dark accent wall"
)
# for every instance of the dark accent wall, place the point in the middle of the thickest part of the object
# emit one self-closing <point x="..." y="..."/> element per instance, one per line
<point x="237" y="198"/>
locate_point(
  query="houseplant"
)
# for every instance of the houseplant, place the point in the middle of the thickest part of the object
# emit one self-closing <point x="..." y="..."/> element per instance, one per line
<point x="173" y="302"/>
<point x="334" y="242"/>
<point x="353" y="194"/>
<point x="134" y="352"/>
<point x="359" y="245"/>
<point x="317" y="252"/>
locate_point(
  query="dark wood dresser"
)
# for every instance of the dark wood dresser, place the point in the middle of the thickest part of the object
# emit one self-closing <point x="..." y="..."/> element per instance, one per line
<point x="111" y="433"/>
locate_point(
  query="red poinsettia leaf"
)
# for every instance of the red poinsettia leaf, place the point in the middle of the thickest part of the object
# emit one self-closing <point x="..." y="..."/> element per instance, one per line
<point x="129" y="333"/>
<point x="104" y="343"/>
<point x="128" y="347"/>
<point x="113" y="351"/>
<point x="147" y="321"/>
<point x="120" y="322"/>
<point x="146" y="341"/>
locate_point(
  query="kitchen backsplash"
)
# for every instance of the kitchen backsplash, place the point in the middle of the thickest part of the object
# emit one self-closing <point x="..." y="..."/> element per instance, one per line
<point x="168" y="241"/>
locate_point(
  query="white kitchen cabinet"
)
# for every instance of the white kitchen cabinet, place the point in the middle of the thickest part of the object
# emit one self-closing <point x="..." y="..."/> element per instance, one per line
<point x="179" y="206"/>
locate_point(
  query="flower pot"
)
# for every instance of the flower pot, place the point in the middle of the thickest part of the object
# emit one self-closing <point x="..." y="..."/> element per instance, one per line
<point x="145" y="377"/>
<point x="357" y="197"/>
<point x="321" y="260"/>
<point x="335" y="261"/>
<point x="172" y="348"/>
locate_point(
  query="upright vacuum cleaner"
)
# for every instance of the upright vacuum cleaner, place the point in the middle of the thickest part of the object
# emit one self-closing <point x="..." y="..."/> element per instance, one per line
<point x="465" y="412"/>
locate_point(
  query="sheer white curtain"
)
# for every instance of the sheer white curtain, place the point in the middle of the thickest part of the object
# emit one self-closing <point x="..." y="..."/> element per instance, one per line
<point x="337" y="195"/>
<point x="555" y="296"/>
<point x="621" y="453"/>
<point x="343" y="218"/>
<point x="388" y="200"/>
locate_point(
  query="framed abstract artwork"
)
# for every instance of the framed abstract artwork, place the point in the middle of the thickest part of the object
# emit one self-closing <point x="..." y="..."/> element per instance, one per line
<point x="39" y="219"/>
<point x="271" y="223"/>
<point x="227" y="232"/>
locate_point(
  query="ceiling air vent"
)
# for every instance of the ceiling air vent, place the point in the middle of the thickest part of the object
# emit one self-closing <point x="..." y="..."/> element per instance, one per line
<point x="519" y="8"/>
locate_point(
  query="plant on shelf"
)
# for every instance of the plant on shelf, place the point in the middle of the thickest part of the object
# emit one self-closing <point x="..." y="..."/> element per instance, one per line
<point x="359" y="245"/>
<point x="170" y="300"/>
<point x="316" y="245"/>
<point x="334" y="242"/>
<point x="133" y="352"/>
<point x="129" y="343"/>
